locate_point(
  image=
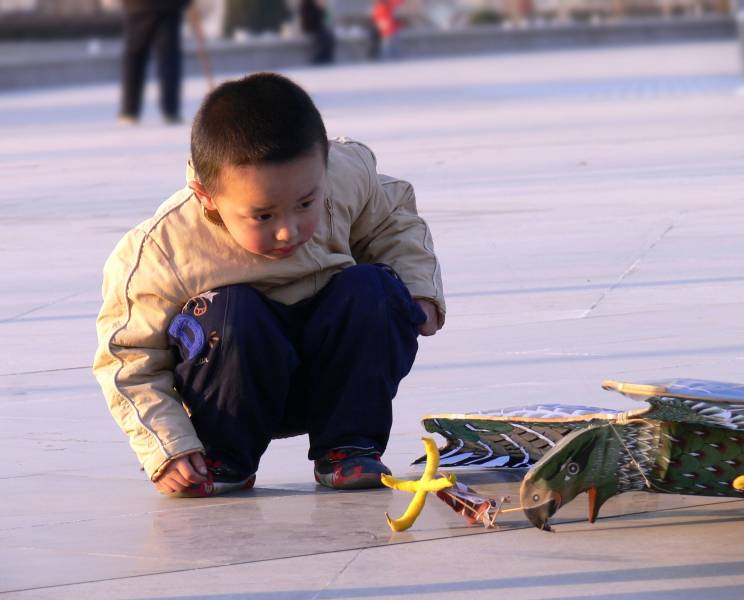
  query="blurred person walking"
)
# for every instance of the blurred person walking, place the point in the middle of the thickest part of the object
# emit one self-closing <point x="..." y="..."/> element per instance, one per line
<point x="313" y="21"/>
<point x="385" y="18"/>
<point x="520" y="11"/>
<point x="148" y="23"/>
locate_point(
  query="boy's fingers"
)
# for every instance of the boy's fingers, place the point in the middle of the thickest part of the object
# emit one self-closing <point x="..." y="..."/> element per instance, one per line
<point x="431" y="325"/>
<point x="163" y="487"/>
<point x="188" y="472"/>
<point x="427" y="329"/>
<point x="197" y="461"/>
<point x="175" y="479"/>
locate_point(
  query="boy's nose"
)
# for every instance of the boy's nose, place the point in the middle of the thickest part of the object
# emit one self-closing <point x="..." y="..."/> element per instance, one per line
<point x="286" y="232"/>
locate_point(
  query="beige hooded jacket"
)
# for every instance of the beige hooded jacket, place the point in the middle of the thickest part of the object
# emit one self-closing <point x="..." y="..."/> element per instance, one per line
<point x="178" y="253"/>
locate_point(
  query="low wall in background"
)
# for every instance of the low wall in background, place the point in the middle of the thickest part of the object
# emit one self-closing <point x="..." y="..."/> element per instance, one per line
<point x="26" y="65"/>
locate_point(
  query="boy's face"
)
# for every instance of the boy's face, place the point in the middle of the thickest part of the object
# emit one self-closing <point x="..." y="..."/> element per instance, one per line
<point x="270" y="209"/>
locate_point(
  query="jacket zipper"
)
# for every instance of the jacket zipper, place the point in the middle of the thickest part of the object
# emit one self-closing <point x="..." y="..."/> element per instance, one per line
<point x="329" y="207"/>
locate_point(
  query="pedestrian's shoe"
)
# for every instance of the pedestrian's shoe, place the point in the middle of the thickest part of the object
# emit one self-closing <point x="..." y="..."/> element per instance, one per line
<point x="350" y="468"/>
<point x="127" y="120"/>
<point x="221" y="478"/>
<point x="172" y="119"/>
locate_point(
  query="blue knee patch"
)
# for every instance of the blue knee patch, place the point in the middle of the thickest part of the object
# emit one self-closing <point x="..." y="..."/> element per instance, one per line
<point x="186" y="330"/>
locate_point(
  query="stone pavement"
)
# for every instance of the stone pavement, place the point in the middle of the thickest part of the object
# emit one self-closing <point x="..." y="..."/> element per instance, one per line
<point x="587" y="209"/>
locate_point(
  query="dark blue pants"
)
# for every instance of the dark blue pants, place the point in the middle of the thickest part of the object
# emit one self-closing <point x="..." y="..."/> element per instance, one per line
<point x="251" y="369"/>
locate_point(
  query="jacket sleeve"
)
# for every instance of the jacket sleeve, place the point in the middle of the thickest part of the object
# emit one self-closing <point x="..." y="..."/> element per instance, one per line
<point x="133" y="363"/>
<point x="389" y="230"/>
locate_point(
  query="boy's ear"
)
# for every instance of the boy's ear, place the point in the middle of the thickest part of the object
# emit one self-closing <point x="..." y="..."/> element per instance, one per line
<point x="202" y="194"/>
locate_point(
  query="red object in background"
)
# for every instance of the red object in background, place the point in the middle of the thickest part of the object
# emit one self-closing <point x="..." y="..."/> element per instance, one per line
<point x="383" y="14"/>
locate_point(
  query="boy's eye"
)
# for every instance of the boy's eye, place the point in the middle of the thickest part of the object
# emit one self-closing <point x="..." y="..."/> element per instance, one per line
<point x="307" y="203"/>
<point x="262" y="218"/>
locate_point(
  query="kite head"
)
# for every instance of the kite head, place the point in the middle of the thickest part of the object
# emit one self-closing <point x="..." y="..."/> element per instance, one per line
<point x="584" y="461"/>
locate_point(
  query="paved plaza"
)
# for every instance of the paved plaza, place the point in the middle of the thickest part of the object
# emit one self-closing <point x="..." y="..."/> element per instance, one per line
<point x="588" y="210"/>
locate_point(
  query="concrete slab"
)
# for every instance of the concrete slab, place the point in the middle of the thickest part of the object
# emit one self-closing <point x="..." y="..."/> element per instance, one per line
<point x="587" y="210"/>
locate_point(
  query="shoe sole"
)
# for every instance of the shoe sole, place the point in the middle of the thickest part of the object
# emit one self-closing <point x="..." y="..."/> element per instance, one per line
<point x="361" y="482"/>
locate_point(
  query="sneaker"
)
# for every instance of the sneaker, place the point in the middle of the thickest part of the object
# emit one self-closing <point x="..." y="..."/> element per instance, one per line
<point x="127" y="120"/>
<point x="173" y="119"/>
<point x="350" y="468"/>
<point x="221" y="478"/>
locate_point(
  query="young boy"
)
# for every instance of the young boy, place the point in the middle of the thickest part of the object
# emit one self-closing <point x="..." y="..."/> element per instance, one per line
<point x="280" y="293"/>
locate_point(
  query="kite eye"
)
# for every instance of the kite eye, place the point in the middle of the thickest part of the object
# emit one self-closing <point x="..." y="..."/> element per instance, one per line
<point x="572" y="468"/>
<point x="536" y="497"/>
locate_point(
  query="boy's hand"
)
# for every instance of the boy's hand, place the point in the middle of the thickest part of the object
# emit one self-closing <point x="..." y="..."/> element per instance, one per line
<point x="182" y="473"/>
<point x="431" y="325"/>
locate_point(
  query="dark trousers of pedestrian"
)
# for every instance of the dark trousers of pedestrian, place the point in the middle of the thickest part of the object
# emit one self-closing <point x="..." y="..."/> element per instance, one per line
<point x="252" y="369"/>
<point x="324" y="46"/>
<point x="145" y="30"/>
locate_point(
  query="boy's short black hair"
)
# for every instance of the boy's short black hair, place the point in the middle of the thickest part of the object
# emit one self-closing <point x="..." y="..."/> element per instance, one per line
<point x="262" y="118"/>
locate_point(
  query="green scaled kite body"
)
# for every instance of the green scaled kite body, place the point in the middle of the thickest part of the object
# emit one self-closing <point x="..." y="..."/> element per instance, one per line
<point x="689" y="440"/>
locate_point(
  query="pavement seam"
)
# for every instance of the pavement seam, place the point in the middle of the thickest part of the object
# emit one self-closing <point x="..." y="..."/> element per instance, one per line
<point x="630" y="269"/>
<point x="40" y="307"/>
<point x="338" y="574"/>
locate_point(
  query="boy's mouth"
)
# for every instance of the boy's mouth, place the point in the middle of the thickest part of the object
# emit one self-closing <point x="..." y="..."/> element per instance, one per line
<point x="284" y="251"/>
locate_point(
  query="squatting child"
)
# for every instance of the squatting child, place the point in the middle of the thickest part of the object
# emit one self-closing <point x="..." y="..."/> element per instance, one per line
<point x="281" y="292"/>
